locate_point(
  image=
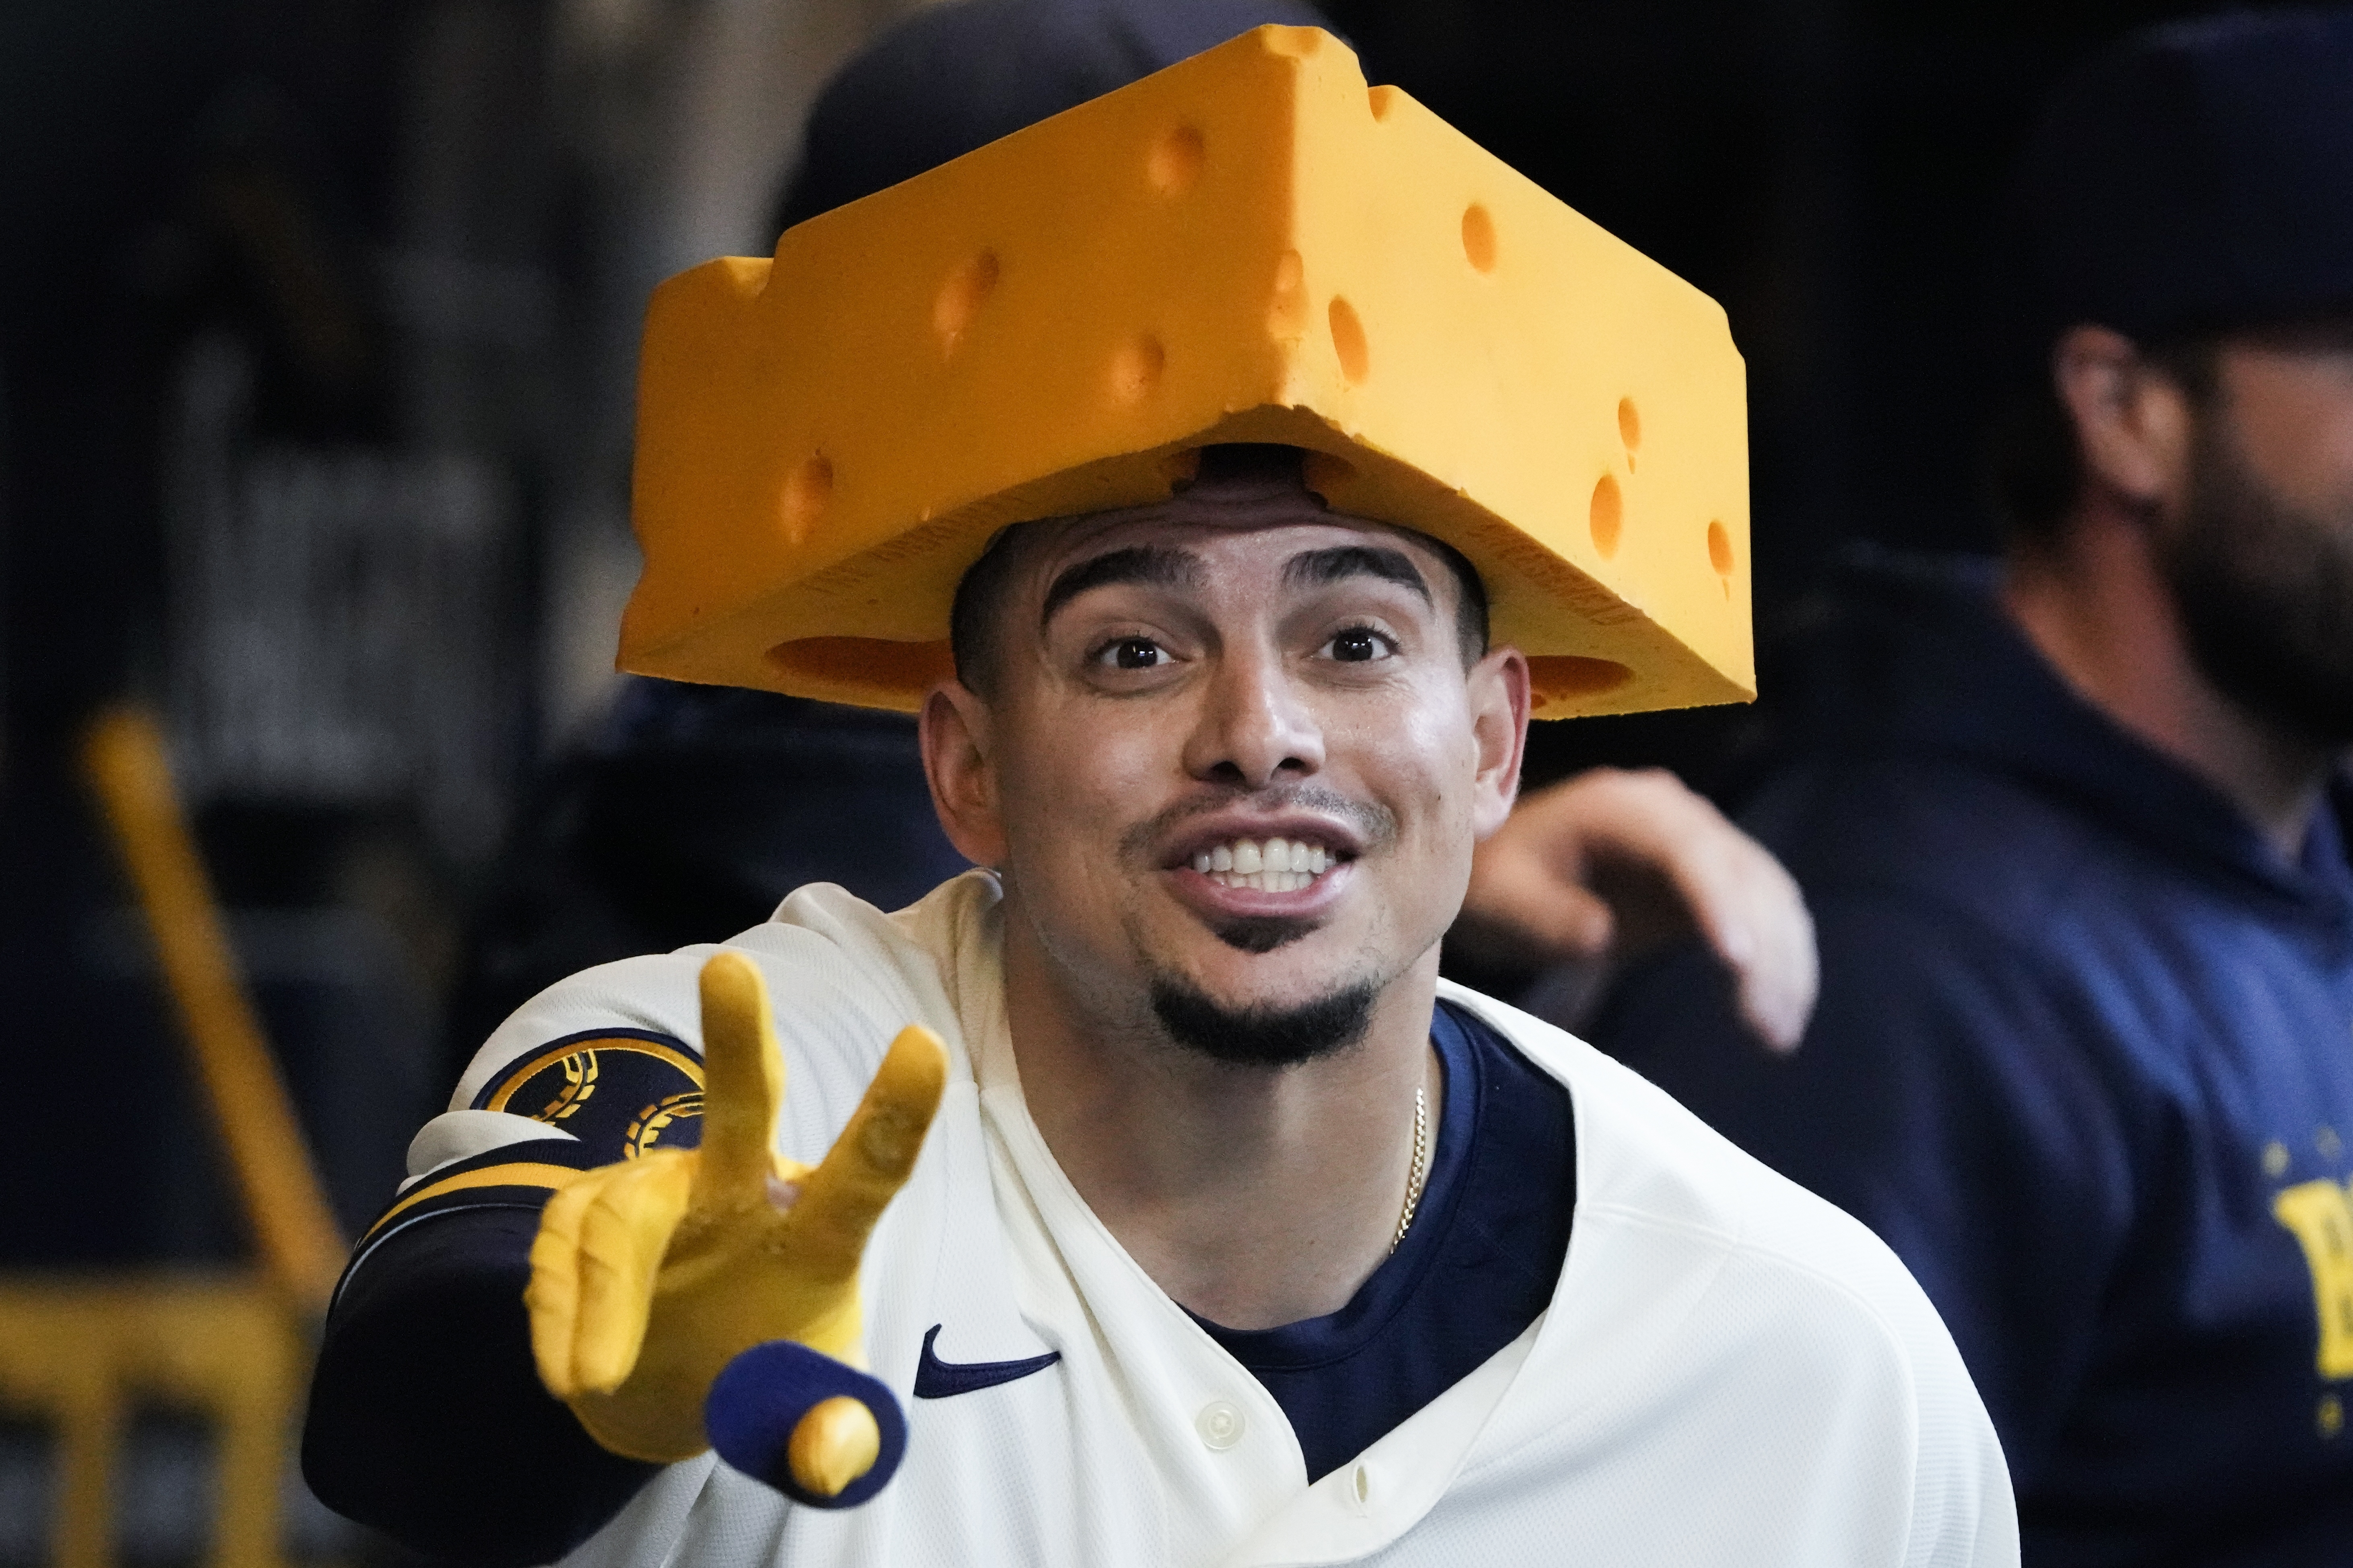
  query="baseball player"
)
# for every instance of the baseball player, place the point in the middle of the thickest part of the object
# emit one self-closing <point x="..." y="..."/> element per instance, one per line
<point x="1146" y="1197"/>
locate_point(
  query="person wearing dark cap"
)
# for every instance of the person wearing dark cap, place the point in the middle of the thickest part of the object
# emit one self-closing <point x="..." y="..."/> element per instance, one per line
<point x="2074" y="831"/>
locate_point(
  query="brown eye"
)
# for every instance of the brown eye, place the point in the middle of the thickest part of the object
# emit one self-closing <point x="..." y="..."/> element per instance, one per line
<point x="1135" y="653"/>
<point x="1358" y="645"/>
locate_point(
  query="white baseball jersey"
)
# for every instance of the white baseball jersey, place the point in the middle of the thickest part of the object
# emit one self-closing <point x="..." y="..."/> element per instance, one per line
<point x="1731" y="1371"/>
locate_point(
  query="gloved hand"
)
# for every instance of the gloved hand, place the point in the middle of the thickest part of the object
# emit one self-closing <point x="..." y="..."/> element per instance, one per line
<point x="650" y="1274"/>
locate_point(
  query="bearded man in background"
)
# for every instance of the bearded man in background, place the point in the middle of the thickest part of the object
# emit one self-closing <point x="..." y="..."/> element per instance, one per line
<point x="2072" y="830"/>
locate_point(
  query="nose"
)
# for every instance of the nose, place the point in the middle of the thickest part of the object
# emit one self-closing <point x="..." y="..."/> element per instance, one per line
<point x="1253" y="729"/>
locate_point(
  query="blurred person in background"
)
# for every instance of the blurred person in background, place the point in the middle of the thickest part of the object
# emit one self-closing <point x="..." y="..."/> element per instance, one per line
<point x="2072" y="829"/>
<point x="691" y="811"/>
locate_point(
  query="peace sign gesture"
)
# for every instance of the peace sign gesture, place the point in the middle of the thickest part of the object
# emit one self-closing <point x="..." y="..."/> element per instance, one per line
<point x="650" y="1274"/>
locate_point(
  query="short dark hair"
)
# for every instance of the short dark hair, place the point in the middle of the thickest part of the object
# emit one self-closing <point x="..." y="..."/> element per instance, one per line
<point x="973" y="615"/>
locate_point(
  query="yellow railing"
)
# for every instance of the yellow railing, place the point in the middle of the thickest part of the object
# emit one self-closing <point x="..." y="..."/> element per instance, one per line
<point x="81" y="1351"/>
<point x="292" y="1226"/>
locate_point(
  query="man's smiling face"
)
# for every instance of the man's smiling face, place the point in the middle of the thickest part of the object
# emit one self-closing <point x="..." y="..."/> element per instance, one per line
<point x="1231" y="758"/>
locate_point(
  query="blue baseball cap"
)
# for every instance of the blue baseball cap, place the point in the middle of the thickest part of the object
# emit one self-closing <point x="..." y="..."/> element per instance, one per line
<point x="2197" y="177"/>
<point x="953" y="77"/>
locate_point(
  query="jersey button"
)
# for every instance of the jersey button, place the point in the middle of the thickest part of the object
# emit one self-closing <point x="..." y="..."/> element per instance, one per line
<point x="1220" y="1424"/>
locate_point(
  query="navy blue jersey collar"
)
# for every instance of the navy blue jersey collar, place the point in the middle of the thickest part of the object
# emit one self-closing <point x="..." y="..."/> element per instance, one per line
<point x="1317" y="1340"/>
<point x="1480" y="1263"/>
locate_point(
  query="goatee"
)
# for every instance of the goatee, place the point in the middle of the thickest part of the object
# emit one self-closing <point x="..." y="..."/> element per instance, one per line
<point x="1262" y="1035"/>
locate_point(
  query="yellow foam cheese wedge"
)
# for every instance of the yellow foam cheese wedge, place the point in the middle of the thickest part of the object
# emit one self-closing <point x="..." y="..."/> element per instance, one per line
<point x="1250" y="245"/>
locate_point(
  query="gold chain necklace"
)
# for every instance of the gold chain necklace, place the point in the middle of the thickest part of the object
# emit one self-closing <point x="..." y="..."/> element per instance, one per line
<point x="1420" y="1171"/>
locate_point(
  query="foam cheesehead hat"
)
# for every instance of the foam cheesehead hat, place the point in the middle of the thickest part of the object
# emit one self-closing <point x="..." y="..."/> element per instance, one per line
<point x="1248" y="247"/>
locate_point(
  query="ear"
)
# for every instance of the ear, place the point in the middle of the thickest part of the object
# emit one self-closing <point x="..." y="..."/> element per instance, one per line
<point x="2133" y="423"/>
<point x="1498" y="691"/>
<point x="957" y="762"/>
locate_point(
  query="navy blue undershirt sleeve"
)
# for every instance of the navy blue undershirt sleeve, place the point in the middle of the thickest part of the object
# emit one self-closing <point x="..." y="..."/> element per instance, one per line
<point x="1479" y="1265"/>
<point x="427" y="1420"/>
<point x="427" y="1417"/>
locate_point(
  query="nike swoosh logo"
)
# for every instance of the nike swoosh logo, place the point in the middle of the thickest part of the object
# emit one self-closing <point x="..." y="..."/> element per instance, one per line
<point x="937" y="1379"/>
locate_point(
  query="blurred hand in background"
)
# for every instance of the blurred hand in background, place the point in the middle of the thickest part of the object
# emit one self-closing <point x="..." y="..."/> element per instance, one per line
<point x="1595" y="872"/>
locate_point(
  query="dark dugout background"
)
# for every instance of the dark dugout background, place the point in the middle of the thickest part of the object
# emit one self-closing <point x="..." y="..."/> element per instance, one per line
<point x="328" y="280"/>
<point x="395" y="249"/>
<point x="316" y="331"/>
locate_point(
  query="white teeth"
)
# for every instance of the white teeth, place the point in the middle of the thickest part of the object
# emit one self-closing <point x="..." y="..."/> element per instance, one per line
<point x="1264" y="882"/>
<point x="1276" y="865"/>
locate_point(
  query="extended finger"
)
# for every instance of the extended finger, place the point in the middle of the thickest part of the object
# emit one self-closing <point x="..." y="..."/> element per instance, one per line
<point x="871" y="1160"/>
<point x="625" y="1226"/>
<point x="1520" y="888"/>
<point x="1779" y="985"/>
<point x="743" y="1084"/>
<point x="1752" y="912"/>
<point x="553" y="1297"/>
<point x="1721" y="875"/>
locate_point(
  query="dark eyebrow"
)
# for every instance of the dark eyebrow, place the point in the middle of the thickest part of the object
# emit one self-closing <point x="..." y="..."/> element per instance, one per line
<point x="1315" y="568"/>
<point x="1157" y="565"/>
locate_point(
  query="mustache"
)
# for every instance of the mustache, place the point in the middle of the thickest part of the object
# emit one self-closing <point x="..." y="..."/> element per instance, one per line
<point x="1376" y="825"/>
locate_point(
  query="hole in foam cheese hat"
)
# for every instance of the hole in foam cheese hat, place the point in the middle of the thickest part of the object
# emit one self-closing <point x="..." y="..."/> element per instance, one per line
<point x="1247" y="246"/>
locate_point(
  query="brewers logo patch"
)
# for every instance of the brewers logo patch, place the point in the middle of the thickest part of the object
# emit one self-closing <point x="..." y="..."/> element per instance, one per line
<point x="619" y="1092"/>
<point x="654" y="1124"/>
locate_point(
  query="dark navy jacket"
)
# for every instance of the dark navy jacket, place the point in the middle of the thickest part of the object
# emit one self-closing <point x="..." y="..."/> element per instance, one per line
<point x="2084" y="1057"/>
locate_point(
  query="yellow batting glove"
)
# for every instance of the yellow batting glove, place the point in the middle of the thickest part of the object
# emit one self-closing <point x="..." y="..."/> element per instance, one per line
<point x="650" y="1275"/>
